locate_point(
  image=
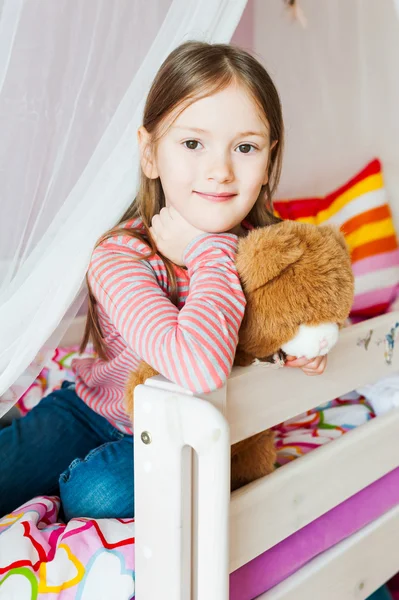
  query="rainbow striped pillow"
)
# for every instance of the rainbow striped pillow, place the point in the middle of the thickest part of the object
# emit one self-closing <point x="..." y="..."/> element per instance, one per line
<point x="360" y="208"/>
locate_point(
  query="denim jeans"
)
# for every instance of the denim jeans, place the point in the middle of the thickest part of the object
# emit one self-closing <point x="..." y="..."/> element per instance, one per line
<point x="63" y="447"/>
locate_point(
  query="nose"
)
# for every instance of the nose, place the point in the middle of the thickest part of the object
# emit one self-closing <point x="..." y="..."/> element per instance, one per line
<point x="220" y="169"/>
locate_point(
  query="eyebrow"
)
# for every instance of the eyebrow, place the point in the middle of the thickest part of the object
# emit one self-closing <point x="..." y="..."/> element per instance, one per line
<point x="241" y="134"/>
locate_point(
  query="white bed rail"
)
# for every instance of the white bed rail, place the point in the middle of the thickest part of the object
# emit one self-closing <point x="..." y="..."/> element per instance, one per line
<point x="259" y="397"/>
<point x="266" y="511"/>
<point x="269" y="510"/>
<point x="165" y="424"/>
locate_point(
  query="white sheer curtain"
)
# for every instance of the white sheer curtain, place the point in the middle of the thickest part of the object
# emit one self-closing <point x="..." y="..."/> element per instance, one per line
<point x="73" y="78"/>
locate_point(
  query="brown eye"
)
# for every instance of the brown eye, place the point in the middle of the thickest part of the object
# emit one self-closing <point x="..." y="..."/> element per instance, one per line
<point x="245" y="148"/>
<point x="191" y="144"/>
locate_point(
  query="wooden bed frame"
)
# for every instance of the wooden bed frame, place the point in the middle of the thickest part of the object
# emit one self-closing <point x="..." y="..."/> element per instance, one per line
<point x="190" y="533"/>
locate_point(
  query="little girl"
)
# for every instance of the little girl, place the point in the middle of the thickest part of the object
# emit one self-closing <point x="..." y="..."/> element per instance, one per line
<point x="163" y="286"/>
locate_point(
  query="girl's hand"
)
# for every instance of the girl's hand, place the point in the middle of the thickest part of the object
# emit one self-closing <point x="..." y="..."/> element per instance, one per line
<point x="172" y="234"/>
<point x="314" y="366"/>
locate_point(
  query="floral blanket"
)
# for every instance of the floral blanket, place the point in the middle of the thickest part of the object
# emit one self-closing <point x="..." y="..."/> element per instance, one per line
<point x="86" y="559"/>
<point x="42" y="558"/>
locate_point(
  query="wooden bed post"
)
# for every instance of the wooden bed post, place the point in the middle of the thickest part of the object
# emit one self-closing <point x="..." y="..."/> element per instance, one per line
<point x="165" y="423"/>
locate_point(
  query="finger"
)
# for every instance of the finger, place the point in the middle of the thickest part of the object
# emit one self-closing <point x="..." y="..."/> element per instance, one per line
<point x="155" y="219"/>
<point x="314" y="364"/>
<point x="320" y="363"/>
<point x="323" y="364"/>
<point x="318" y="369"/>
<point x="172" y="212"/>
<point x="297" y="362"/>
<point x="153" y="235"/>
<point x="157" y="226"/>
<point x="157" y="238"/>
<point x="164" y="216"/>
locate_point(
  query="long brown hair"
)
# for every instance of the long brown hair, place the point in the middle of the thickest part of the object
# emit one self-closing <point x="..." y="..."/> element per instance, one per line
<point x="192" y="71"/>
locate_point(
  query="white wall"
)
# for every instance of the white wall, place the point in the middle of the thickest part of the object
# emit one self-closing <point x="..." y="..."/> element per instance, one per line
<point x="339" y="84"/>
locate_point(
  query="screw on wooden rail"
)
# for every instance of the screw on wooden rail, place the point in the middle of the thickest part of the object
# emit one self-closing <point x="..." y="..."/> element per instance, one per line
<point x="146" y="437"/>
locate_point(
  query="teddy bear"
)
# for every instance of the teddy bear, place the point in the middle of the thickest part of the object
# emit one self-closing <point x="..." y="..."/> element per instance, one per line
<point x="299" y="287"/>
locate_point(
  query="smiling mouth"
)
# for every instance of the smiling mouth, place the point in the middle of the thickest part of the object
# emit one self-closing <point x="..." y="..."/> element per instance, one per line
<point x="216" y="197"/>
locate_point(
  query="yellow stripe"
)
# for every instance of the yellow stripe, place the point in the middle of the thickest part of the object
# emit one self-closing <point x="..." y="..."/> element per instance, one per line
<point x="374" y="182"/>
<point x="311" y="220"/>
<point x="370" y="233"/>
<point x="11" y="519"/>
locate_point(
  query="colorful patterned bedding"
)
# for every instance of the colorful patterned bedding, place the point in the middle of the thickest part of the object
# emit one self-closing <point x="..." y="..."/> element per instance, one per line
<point x="316" y="427"/>
<point x="42" y="558"/>
<point x="86" y="559"/>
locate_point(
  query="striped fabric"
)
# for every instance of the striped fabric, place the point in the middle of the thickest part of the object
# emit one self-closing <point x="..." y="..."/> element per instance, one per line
<point x="192" y="344"/>
<point x="361" y="209"/>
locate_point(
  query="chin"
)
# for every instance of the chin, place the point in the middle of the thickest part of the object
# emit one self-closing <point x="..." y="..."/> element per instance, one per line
<point x="218" y="229"/>
<point x="215" y="227"/>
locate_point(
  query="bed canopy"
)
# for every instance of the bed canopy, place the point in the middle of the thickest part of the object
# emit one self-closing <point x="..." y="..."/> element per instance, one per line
<point x="72" y="86"/>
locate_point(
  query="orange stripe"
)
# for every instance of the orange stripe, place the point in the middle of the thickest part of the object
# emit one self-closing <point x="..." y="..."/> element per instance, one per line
<point x="377" y="247"/>
<point x="370" y="216"/>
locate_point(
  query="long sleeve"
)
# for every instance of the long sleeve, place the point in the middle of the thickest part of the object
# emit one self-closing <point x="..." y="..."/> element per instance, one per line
<point x="193" y="347"/>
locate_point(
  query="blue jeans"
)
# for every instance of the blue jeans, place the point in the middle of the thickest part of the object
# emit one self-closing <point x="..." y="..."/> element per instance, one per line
<point x="63" y="447"/>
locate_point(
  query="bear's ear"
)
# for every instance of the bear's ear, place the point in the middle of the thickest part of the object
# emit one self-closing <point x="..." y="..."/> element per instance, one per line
<point x="335" y="232"/>
<point x="265" y="252"/>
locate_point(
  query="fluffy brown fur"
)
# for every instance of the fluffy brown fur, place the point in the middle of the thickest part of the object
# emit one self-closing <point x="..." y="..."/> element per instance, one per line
<point x="292" y="274"/>
<point x="135" y="378"/>
<point x="252" y="459"/>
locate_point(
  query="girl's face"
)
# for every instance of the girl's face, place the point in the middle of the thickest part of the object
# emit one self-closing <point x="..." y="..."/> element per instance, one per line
<point x="213" y="159"/>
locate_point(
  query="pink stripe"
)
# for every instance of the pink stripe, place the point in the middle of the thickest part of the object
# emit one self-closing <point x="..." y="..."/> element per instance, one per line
<point x="217" y="361"/>
<point x="184" y="358"/>
<point x="384" y="296"/>
<point x="377" y="262"/>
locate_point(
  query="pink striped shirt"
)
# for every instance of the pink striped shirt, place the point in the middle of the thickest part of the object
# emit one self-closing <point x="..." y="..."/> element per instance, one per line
<point x="192" y="345"/>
